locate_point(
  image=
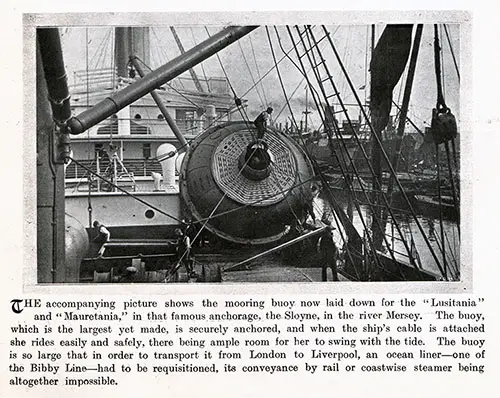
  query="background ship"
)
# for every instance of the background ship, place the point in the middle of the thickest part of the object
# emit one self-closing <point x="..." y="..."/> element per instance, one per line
<point x="122" y="149"/>
<point x="240" y="205"/>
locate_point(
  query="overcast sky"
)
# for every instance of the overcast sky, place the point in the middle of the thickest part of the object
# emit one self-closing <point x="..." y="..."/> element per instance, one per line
<point x="251" y="57"/>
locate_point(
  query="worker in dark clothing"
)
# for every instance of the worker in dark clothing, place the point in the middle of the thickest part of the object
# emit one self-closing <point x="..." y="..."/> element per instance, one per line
<point x="328" y="254"/>
<point x="261" y="122"/>
<point x="184" y="252"/>
<point x="102" y="236"/>
<point x="190" y="229"/>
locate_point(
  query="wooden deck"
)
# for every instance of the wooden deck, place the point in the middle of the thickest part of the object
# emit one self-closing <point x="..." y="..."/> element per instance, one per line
<point x="266" y="270"/>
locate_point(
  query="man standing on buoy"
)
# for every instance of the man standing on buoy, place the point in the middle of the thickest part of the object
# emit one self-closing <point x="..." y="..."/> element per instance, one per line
<point x="261" y="122"/>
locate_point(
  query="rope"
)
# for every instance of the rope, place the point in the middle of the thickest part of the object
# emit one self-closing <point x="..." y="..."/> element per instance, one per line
<point x="442" y="62"/>
<point x="385" y="157"/>
<point x="251" y="75"/>
<point x="164" y="51"/>
<point x="291" y="96"/>
<point x="301" y="72"/>
<point x="453" y="257"/>
<point x="388" y="207"/>
<point x="276" y="64"/>
<point x="408" y="119"/>
<point x="201" y="63"/>
<point x="237" y="99"/>
<point x="256" y="202"/>
<point x="103" y="46"/>
<point x="258" y="70"/>
<point x="440" y="209"/>
<point x="452" y="52"/>
<point x="456" y="203"/>
<point x="209" y="218"/>
<point x="169" y="85"/>
<point x="339" y="136"/>
<point x="442" y="250"/>
<point x="296" y="126"/>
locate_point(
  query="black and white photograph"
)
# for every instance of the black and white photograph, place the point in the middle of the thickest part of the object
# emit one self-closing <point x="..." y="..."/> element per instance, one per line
<point x="239" y="153"/>
<point x="250" y="200"/>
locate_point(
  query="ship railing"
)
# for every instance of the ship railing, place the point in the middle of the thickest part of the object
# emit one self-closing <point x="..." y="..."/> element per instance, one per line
<point x="136" y="167"/>
<point x="148" y="126"/>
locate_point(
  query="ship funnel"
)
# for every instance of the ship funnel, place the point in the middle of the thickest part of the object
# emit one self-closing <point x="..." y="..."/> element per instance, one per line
<point x="166" y="155"/>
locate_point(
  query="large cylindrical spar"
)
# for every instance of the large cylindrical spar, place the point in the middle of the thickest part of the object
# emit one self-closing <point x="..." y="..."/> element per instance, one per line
<point x="155" y="79"/>
<point x="55" y="73"/>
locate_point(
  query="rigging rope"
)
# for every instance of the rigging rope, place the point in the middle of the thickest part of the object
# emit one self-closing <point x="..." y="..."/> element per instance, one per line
<point x="165" y="54"/>
<point x="170" y="85"/>
<point x="357" y="175"/>
<point x="305" y="148"/>
<point x="384" y="156"/>
<point x="357" y="139"/>
<point x="442" y="61"/>
<point x="201" y="63"/>
<point x="237" y="99"/>
<point x="440" y="209"/>
<point x="103" y="46"/>
<point x="258" y="70"/>
<point x="276" y="64"/>
<point x="251" y="75"/>
<point x="339" y="136"/>
<point x="452" y="52"/>
<point x="443" y="109"/>
<point x="210" y="217"/>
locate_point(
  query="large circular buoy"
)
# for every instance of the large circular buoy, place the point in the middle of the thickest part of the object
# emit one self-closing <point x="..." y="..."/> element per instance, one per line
<point x="248" y="190"/>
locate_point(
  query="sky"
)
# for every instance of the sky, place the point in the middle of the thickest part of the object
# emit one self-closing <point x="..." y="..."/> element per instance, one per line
<point x="251" y="57"/>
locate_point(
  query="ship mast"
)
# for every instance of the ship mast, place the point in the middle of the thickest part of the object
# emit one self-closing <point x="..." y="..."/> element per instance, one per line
<point x="376" y="160"/>
<point x="307" y="111"/>
<point x="389" y="59"/>
<point x="155" y="79"/>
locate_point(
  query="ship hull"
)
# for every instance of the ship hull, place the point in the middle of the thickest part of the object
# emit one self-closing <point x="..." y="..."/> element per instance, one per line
<point x="126" y="217"/>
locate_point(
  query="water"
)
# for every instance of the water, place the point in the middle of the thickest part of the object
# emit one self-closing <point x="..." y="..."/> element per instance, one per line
<point x="424" y="232"/>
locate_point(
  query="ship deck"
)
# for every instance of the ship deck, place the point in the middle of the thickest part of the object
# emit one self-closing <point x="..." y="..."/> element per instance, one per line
<point x="265" y="270"/>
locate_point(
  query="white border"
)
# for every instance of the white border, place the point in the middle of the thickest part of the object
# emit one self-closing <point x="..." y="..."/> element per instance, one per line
<point x="253" y="18"/>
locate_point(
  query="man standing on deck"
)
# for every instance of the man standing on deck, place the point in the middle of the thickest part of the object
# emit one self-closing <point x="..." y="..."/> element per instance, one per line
<point x="183" y="251"/>
<point x="102" y="236"/>
<point x="319" y="217"/>
<point x="261" y="122"/>
<point x="328" y="254"/>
